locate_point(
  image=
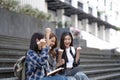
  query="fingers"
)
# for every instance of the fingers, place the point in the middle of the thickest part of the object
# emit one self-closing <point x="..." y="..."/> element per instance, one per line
<point x="48" y="30"/>
<point x="41" y="41"/>
<point x="79" y="48"/>
<point x="60" y="51"/>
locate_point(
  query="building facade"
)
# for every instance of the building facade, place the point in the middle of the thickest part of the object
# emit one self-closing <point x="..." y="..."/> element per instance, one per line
<point x="96" y="18"/>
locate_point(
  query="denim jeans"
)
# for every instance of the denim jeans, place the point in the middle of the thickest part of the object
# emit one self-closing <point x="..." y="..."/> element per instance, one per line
<point x="56" y="77"/>
<point x="78" y="75"/>
<point x="71" y="78"/>
<point x="81" y="76"/>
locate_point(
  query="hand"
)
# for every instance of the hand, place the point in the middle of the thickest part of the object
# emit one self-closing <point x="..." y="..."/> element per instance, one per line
<point x="41" y="43"/>
<point x="60" y="62"/>
<point x="60" y="51"/>
<point x="47" y="31"/>
<point x="78" y="54"/>
<point x="79" y="48"/>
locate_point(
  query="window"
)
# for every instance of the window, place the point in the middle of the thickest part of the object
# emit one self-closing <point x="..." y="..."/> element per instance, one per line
<point x="80" y="6"/>
<point x="106" y="18"/>
<point x="104" y="2"/>
<point x="110" y="5"/>
<point x="117" y="14"/>
<point x="90" y="10"/>
<point x="98" y="14"/>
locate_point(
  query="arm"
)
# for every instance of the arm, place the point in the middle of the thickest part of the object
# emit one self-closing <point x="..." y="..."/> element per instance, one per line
<point x="47" y="35"/>
<point x="60" y="61"/>
<point x="36" y="59"/>
<point x="77" y="58"/>
<point x="60" y="52"/>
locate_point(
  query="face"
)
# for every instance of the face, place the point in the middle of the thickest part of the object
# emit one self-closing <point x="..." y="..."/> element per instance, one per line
<point x="52" y="41"/>
<point x="67" y="41"/>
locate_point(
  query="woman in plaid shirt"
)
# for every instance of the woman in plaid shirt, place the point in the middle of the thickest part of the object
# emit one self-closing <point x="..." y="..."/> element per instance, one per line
<point x="37" y="60"/>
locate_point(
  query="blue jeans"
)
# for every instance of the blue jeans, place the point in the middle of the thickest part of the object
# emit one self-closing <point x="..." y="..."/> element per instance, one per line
<point x="81" y="76"/>
<point x="71" y="78"/>
<point x="75" y="73"/>
<point x="56" y="77"/>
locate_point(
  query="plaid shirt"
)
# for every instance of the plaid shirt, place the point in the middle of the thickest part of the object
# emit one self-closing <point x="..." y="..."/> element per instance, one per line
<point x="37" y="64"/>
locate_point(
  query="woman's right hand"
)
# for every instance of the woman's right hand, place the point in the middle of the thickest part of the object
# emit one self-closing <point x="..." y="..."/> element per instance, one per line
<point x="41" y="43"/>
<point x="48" y="31"/>
<point x="60" y="52"/>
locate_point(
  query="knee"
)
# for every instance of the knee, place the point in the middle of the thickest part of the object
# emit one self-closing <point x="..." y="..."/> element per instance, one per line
<point x="81" y="76"/>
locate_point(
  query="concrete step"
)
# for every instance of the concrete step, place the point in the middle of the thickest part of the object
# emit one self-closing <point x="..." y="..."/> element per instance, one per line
<point x="14" y="42"/>
<point x="10" y="46"/>
<point x="94" y="73"/>
<point x="94" y="50"/>
<point x="94" y="57"/>
<point x="4" y="38"/>
<point x="12" y="54"/>
<point x="6" y="72"/>
<point x="6" y="69"/>
<point x="98" y="66"/>
<point x="95" y="61"/>
<point x="106" y="55"/>
<point x="11" y="78"/>
<point x="94" y="53"/>
<point x="107" y="77"/>
<point x="7" y="62"/>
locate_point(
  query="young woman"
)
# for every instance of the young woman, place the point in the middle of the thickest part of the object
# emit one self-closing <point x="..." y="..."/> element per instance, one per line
<point x="52" y="55"/>
<point x="71" y="56"/>
<point x="37" y="60"/>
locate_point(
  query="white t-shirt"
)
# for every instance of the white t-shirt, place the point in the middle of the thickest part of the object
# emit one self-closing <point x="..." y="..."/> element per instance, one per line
<point x="69" y="64"/>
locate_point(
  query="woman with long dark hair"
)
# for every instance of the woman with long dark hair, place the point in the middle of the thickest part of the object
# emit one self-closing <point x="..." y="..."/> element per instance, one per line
<point x="71" y="57"/>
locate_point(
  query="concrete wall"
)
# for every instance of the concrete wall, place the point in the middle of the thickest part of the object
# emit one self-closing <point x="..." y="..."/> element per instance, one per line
<point x="20" y="25"/>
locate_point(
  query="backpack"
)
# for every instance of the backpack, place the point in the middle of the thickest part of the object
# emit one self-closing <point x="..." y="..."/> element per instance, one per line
<point x="19" y="68"/>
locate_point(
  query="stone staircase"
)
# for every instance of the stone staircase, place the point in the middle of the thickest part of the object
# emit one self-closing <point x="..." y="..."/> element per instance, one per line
<point x="97" y="64"/>
<point x="11" y="49"/>
<point x="100" y="64"/>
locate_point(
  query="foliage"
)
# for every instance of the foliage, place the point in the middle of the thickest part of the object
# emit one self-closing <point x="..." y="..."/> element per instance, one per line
<point x="60" y="24"/>
<point x="118" y="28"/>
<point x="9" y="4"/>
<point x="27" y="9"/>
<point x="67" y="24"/>
<point x="13" y="5"/>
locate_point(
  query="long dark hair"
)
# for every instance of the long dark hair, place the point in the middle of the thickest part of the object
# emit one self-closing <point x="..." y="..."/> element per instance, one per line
<point x="52" y="49"/>
<point x="33" y="44"/>
<point x="64" y="34"/>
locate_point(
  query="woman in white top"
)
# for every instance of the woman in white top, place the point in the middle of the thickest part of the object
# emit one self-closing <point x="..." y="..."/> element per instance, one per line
<point x="71" y="56"/>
